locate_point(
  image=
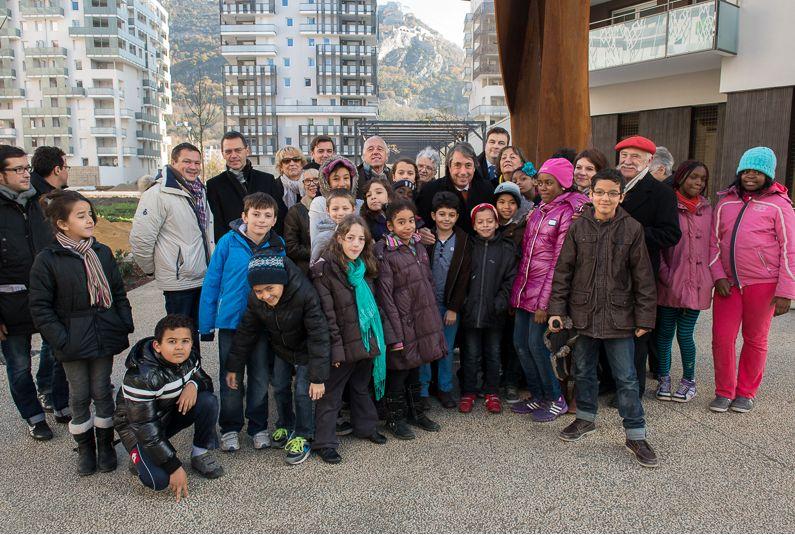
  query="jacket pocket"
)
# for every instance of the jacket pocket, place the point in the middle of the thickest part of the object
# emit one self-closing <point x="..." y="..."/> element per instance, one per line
<point x="763" y="260"/>
<point x="112" y="332"/>
<point x="579" y="311"/>
<point x="83" y="340"/>
<point x="180" y="262"/>
<point x="622" y="310"/>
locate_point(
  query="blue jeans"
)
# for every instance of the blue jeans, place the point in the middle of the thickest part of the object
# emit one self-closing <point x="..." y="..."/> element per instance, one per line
<point x="45" y="371"/>
<point x="621" y="355"/>
<point x="528" y="339"/>
<point x="301" y="421"/>
<point x="255" y="389"/>
<point x="445" y="365"/>
<point x="481" y="346"/>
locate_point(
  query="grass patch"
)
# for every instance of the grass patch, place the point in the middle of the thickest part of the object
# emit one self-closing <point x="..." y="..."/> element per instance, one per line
<point x="117" y="211"/>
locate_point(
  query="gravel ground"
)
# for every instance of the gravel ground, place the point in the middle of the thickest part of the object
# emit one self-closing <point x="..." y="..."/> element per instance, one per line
<point x="482" y="473"/>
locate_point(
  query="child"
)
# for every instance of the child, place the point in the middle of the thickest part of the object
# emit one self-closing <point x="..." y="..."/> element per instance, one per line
<point x="78" y="303"/>
<point x="339" y="204"/>
<point x="492" y="268"/>
<point x="222" y="304"/>
<point x="284" y="305"/>
<point x="164" y="391"/>
<point x="337" y="173"/>
<point x="343" y="277"/>
<point x="512" y="209"/>
<point x="405" y="169"/>
<point x="524" y="177"/>
<point x="404" y="189"/>
<point x="412" y="326"/>
<point x="377" y="195"/>
<point x="752" y="253"/>
<point x="449" y="258"/>
<point x="604" y="282"/>
<point x="684" y="286"/>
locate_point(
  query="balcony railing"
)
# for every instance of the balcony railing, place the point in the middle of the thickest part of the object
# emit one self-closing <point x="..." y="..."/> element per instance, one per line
<point x="146" y="118"/>
<point x="249" y="70"/>
<point x="64" y="91"/>
<point x="101" y="92"/>
<point x="361" y="29"/>
<point x="260" y="130"/>
<point x="253" y="50"/>
<point x="345" y="70"/>
<point x="104" y="112"/>
<point x="47" y="111"/>
<point x="90" y="31"/>
<point x="368" y="90"/>
<point x="45" y="51"/>
<point x="148" y="153"/>
<point x="486" y="110"/>
<point x="243" y="29"/>
<point x="104" y="131"/>
<point x="107" y="151"/>
<point x="151" y="136"/>
<point x="327" y="130"/>
<point x="59" y="131"/>
<point x="248" y="111"/>
<point x="701" y="27"/>
<point x="112" y="8"/>
<point x="345" y="50"/>
<point x="28" y="9"/>
<point x="10" y="32"/>
<point x="237" y="91"/>
<point x="256" y="8"/>
<point x="8" y="133"/>
<point x="300" y="109"/>
<point x="47" y="71"/>
<point x="8" y="73"/>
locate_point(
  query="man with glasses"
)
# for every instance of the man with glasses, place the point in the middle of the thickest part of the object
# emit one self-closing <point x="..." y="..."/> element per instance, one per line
<point x="225" y="191"/>
<point x="23" y="233"/>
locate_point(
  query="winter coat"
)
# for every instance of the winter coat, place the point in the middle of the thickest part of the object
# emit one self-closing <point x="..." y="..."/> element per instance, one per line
<point x="457" y="282"/>
<point x="147" y="401"/>
<point x="226" y="288"/>
<point x="166" y="237"/>
<point x="684" y="279"/>
<point x="296" y="327"/>
<point x="603" y="279"/>
<point x="377" y="226"/>
<point x="543" y="239"/>
<point x="480" y="191"/>
<point x="753" y="240"/>
<point x="365" y="175"/>
<point x="23" y="233"/>
<point x="61" y="308"/>
<point x="338" y="300"/>
<point x="296" y="235"/>
<point x="492" y="271"/>
<point x="653" y="204"/>
<point x="410" y="313"/>
<point x="40" y="183"/>
<point x="225" y="194"/>
<point x="514" y="229"/>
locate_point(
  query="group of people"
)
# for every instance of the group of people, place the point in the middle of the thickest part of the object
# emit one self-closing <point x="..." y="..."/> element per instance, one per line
<point x="344" y="287"/>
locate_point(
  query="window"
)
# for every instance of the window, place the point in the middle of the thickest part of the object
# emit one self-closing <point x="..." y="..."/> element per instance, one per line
<point x="286" y="82"/>
<point x="285" y="3"/>
<point x="326" y="40"/>
<point x="78" y="65"/>
<point x="314" y="102"/>
<point x="311" y="62"/>
<point x="289" y="41"/>
<point x="704" y="128"/>
<point x="334" y="102"/>
<point x="75" y="6"/>
<point x="289" y="21"/>
<point x="288" y="141"/>
<point x="270" y="62"/>
<point x="331" y="122"/>
<point x="286" y="62"/>
<point x="307" y="82"/>
<point x="310" y="121"/>
<point x="311" y="41"/>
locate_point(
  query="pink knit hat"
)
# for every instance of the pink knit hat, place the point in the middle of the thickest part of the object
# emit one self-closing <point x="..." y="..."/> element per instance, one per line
<point x="561" y="169"/>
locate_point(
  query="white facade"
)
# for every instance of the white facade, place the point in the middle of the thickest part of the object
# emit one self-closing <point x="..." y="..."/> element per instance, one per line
<point x="90" y="77"/>
<point x="482" y="70"/>
<point x="298" y="69"/>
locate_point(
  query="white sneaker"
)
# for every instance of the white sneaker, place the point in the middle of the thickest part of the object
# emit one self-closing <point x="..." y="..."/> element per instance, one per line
<point x="262" y="440"/>
<point x="230" y="442"/>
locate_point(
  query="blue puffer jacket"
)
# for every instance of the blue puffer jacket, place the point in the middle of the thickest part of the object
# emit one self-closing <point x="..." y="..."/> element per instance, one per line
<point x="225" y="290"/>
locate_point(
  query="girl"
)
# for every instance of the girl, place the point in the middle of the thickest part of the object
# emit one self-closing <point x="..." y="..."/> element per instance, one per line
<point x="546" y="230"/>
<point x="524" y="177"/>
<point x="511" y="158"/>
<point x="412" y="325"/>
<point x="752" y="260"/>
<point x="290" y="162"/>
<point x="78" y="303"/>
<point x="377" y="195"/>
<point x="405" y="169"/>
<point x="343" y="277"/>
<point x="296" y="224"/>
<point x="337" y="173"/>
<point x="684" y="286"/>
<point x="586" y="165"/>
<point x="339" y="203"/>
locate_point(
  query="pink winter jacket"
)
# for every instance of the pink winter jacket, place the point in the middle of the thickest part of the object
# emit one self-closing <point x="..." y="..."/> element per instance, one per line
<point x="684" y="279"/>
<point x="546" y="229"/>
<point x="753" y="240"/>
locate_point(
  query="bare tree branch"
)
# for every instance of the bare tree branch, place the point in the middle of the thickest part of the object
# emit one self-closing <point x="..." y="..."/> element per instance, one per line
<point x="202" y="110"/>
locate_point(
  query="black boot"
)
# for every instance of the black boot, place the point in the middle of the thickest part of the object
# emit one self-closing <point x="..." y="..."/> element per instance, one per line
<point x="396" y="419"/>
<point x="416" y="416"/>
<point x="106" y="453"/>
<point x="86" y="453"/>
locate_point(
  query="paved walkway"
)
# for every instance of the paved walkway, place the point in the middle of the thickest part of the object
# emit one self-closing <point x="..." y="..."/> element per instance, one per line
<point x="482" y="473"/>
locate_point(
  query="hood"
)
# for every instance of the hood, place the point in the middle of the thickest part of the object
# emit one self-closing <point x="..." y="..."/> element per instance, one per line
<point x="326" y="170"/>
<point x="775" y="189"/>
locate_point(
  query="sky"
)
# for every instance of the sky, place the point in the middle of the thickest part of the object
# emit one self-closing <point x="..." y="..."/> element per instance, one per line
<point x="444" y="16"/>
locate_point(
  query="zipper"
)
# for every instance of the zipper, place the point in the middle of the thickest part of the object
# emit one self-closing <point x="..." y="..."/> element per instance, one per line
<point x="28" y="230"/>
<point x="732" y="259"/>
<point x="482" y="280"/>
<point x="458" y="268"/>
<point x="281" y="333"/>
<point x="530" y="254"/>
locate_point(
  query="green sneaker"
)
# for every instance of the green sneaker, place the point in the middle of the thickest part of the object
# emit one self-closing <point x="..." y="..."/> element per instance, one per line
<point x="279" y="438"/>
<point x="297" y="450"/>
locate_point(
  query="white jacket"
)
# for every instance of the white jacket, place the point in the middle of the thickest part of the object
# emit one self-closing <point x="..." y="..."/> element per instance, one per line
<point x="166" y="238"/>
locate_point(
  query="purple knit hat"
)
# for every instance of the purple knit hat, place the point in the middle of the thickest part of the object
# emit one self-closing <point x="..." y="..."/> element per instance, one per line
<point x="336" y="162"/>
<point x="561" y="169"/>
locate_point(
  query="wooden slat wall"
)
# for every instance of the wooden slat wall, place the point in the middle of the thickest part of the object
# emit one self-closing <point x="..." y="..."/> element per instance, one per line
<point x="604" y="133"/>
<point x="668" y="128"/>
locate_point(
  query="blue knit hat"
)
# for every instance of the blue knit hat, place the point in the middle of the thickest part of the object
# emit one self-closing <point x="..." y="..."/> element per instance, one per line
<point x="267" y="269"/>
<point x="511" y="189"/>
<point x="760" y="159"/>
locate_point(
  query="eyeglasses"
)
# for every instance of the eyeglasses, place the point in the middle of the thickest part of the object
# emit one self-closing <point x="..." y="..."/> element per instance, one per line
<point x="18" y="170"/>
<point x="295" y="159"/>
<point x="611" y="194"/>
<point x="311" y="182"/>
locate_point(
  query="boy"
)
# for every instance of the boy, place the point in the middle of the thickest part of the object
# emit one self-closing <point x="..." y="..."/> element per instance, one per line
<point x="284" y="304"/>
<point x="492" y="268"/>
<point x="512" y="209"/>
<point x="222" y="304"/>
<point x="164" y="391"/>
<point x="604" y="282"/>
<point x="449" y="256"/>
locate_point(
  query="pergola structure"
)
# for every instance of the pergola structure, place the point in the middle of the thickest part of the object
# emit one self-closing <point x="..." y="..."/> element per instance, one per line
<point x="407" y="138"/>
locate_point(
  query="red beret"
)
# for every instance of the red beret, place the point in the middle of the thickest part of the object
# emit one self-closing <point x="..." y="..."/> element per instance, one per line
<point x="639" y="142"/>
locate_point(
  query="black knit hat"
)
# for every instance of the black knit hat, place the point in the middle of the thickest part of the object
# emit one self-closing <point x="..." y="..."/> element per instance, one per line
<point x="267" y="269"/>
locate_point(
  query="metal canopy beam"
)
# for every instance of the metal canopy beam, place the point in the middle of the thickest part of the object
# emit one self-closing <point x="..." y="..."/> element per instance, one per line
<point x="407" y="138"/>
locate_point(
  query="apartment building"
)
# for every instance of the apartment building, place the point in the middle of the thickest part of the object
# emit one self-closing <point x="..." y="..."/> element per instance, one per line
<point x="483" y="79"/>
<point x="297" y="69"/>
<point x="88" y="76"/>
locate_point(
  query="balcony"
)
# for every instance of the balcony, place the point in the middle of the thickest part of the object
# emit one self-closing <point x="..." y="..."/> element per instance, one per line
<point x="45" y="51"/>
<point x="12" y="93"/>
<point x="695" y="36"/>
<point x="55" y="131"/>
<point x="113" y="8"/>
<point x="28" y="10"/>
<point x="47" y="72"/>
<point x="355" y="71"/>
<point x="237" y="91"/>
<point x="247" y="111"/>
<point x="101" y="92"/>
<point x="6" y="52"/>
<point x="104" y="112"/>
<point x="361" y="29"/>
<point x="91" y="31"/>
<point x="8" y="73"/>
<point x="356" y="9"/>
<point x="104" y="131"/>
<point x="365" y="90"/>
<point x="114" y="51"/>
<point x="326" y="130"/>
<point x="252" y="131"/>
<point x="150" y="136"/>
<point x="146" y="118"/>
<point x="46" y="111"/>
<point x="249" y="29"/>
<point x="8" y="133"/>
<point x="249" y="70"/>
<point x="249" y="8"/>
<point x="129" y="151"/>
<point x="262" y="150"/>
<point x="10" y="32"/>
<point x="485" y="110"/>
<point x="345" y="50"/>
<point x="64" y="91"/>
<point x="107" y="151"/>
<point x="309" y="110"/>
<point x="148" y="153"/>
<point x="248" y="50"/>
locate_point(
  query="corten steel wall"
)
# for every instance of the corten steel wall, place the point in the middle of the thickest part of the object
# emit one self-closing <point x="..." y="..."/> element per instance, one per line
<point x="543" y="47"/>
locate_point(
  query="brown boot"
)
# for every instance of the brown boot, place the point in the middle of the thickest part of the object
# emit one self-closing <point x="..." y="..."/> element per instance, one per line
<point x="643" y="453"/>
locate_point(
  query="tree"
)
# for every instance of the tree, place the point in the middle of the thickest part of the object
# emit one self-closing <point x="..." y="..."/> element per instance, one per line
<point x="201" y="110"/>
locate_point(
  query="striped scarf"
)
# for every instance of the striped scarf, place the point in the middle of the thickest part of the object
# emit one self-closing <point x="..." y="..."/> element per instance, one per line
<point x="197" y="193"/>
<point x="98" y="287"/>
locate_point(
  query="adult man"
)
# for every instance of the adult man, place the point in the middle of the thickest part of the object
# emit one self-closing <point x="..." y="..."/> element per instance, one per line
<point x="374" y="156"/>
<point x="662" y="166"/>
<point x="225" y="192"/>
<point x="321" y="149"/>
<point x="497" y="138"/>
<point x="171" y="233"/>
<point x="653" y="205"/>
<point x="462" y="181"/>
<point x="23" y="233"/>
<point x="49" y="170"/>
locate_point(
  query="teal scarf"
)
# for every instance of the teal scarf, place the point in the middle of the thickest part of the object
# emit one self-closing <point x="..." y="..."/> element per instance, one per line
<point x="369" y="322"/>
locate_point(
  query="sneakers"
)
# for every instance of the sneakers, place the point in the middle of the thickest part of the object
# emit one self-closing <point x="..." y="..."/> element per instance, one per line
<point x="297" y="450"/>
<point x="720" y="404"/>
<point x="664" y="388"/>
<point x="466" y="403"/>
<point x="512" y="394"/>
<point x="742" y="404"/>
<point x="207" y="465"/>
<point x="261" y="440"/>
<point x="279" y="438"/>
<point x="40" y="431"/>
<point x="230" y="442"/>
<point x="446" y="399"/>
<point x="643" y="453"/>
<point x="344" y="428"/>
<point x="526" y="406"/>
<point x="685" y="392"/>
<point x="576" y="430"/>
<point x="329" y="455"/>
<point x="550" y="410"/>
<point x="493" y="403"/>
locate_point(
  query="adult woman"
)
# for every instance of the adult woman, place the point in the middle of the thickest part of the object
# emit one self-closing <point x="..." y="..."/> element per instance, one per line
<point x="586" y="164"/>
<point x="427" y="161"/>
<point x="296" y="224"/>
<point x="290" y="162"/>
<point x="511" y="158"/>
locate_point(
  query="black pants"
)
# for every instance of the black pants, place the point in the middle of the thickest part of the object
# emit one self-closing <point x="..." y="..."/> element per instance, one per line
<point x="398" y="380"/>
<point x="481" y="345"/>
